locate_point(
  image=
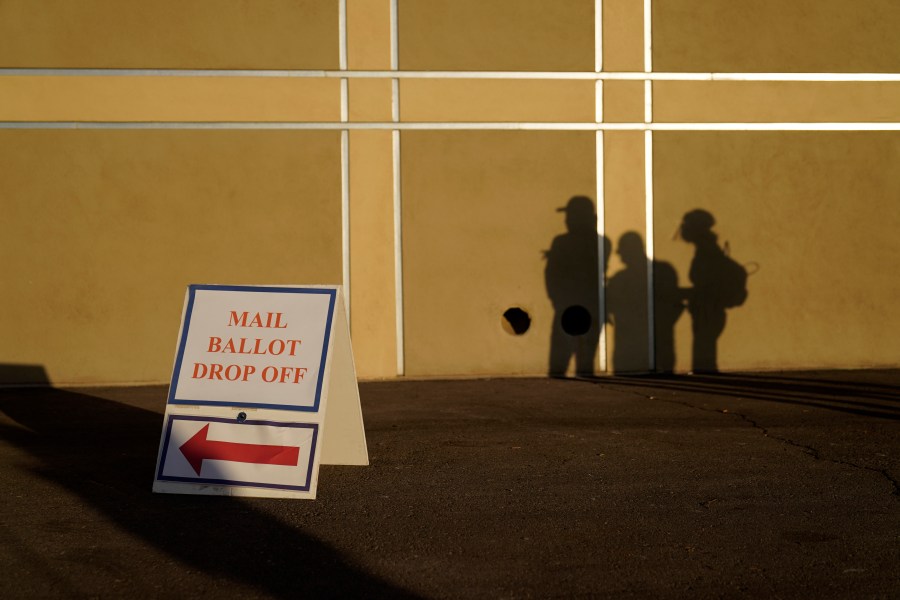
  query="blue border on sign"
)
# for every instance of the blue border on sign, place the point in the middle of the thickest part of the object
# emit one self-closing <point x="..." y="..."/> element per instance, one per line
<point x="192" y="289"/>
<point x="273" y="486"/>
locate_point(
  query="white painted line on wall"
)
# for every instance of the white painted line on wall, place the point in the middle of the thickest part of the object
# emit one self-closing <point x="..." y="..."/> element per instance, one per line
<point x="398" y="199"/>
<point x="345" y="100"/>
<point x="598" y="36"/>
<point x="398" y="255"/>
<point x="648" y="185"/>
<point x="648" y="36"/>
<point x="345" y="218"/>
<point x="462" y="126"/>
<point x="651" y="247"/>
<point x="601" y="252"/>
<point x="342" y="34"/>
<point x="345" y="160"/>
<point x="600" y="191"/>
<point x="314" y="126"/>
<point x="395" y="38"/>
<point x="395" y="101"/>
<point x="648" y="101"/>
<point x="524" y="75"/>
<point x="394" y="73"/>
<point x="781" y="77"/>
<point x="783" y="126"/>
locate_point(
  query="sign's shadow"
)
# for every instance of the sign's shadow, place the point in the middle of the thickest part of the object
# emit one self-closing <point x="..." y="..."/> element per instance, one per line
<point x="103" y="453"/>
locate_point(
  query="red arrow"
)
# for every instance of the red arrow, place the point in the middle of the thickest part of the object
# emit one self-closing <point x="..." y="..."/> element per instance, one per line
<point x="198" y="448"/>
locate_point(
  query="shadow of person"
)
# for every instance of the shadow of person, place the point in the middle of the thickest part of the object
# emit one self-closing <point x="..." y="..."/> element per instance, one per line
<point x="668" y="306"/>
<point x="718" y="283"/>
<point x="572" y="278"/>
<point x="627" y="311"/>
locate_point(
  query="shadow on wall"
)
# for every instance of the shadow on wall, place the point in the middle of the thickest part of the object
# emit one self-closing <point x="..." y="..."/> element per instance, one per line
<point x="718" y="283"/>
<point x="102" y="453"/>
<point x="572" y="278"/>
<point x="627" y="309"/>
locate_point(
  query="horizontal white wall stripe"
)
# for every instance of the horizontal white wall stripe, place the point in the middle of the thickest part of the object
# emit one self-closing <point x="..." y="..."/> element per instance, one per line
<point x="564" y="75"/>
<point x="420" y="126"/>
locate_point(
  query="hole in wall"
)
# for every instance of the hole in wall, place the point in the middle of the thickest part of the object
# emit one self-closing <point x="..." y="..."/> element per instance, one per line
<point x="576" y="320"/>
<point x="515" y="321"/>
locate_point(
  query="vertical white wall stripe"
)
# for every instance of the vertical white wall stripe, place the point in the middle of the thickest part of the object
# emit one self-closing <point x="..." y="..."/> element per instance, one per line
<point x="648" y="101"/>
<point x="345" y="100"/>
<point x="345" y="216"/>
<point x="342" y="34"/>
<point x="648" y="36"/>
<point x="398" y="255"/>
<point x="648" y="183"/>
<point x="601" y="193"/>
<point x="598" y="36"/>
<point x="651" y="250"/>
<point x="398" y="204"/>
<point x="345" y="157"/>
<point x="648" y="60"/>
<point x="601" y="253"/>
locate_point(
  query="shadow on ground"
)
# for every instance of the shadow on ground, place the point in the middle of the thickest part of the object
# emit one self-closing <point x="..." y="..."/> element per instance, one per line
<point x="852" y="396"/>
<point x="103" y="453"/>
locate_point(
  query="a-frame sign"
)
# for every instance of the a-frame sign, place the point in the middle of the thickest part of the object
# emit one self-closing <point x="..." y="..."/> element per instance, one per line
<point x="263" y="390"/>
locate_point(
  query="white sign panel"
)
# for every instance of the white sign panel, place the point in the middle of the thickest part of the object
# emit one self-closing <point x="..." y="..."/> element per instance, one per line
<point x="249" y="400"/>
<point x="254" y="347"/>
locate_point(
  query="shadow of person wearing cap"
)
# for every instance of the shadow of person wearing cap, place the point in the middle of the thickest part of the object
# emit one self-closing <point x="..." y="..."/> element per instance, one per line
<point x="572" y="278"/>
<point x="718" y="283"/>
<point x="627" y="310"/>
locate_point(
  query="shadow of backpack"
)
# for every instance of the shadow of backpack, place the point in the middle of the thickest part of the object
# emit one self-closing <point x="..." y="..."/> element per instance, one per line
<point x="732" y="288"/>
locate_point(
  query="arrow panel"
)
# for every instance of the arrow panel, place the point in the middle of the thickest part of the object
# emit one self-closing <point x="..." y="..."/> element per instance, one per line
<point x="233" y="452"/>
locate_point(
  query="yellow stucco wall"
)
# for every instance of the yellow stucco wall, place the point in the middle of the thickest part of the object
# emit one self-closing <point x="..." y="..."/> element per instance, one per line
<point x="120" y="188"/>
<point x="479" y="212"/>
<point x="815" y="216"/>
<point x="103" y="231"/>
<point x="169" y="34"/>
<point x="166" y="98"/>
<point x="830" y="36"/>
<point x="501" y="35"/>
<point x="791" y="102"/>
<point x="498" y="100"/>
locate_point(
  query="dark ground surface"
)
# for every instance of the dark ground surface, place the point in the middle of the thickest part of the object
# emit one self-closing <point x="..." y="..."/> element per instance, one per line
<point x="767" y="485"/>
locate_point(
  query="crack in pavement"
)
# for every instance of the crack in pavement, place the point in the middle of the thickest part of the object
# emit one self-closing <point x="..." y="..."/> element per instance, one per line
<point x="809" y="450"/>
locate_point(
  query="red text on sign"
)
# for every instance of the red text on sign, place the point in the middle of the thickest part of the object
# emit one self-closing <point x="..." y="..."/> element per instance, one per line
<point x="223" y="372"/>
<point x="219" y="372"/>
<point x="283" y="374"/>
<point x="275" y="347"/>
<point x="266" y="320"/>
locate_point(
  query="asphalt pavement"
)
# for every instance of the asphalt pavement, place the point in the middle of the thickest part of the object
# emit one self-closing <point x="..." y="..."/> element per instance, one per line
<point x="775" y="485"/>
